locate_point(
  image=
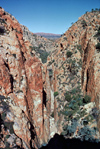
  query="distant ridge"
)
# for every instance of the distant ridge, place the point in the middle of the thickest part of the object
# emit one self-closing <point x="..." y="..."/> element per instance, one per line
<point x="48" y="35"/>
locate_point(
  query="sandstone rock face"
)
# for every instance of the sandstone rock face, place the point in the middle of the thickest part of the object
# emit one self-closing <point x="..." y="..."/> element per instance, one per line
<point x="35" y="98"/>
<point x="40" y="46"/>
<point x="75" y="65"/>
<point x="36" y="41"/>
<point x="21" y="81"/>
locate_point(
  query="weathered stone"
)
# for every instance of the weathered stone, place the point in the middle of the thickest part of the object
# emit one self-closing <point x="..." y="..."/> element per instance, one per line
<point x="36" y="91"/>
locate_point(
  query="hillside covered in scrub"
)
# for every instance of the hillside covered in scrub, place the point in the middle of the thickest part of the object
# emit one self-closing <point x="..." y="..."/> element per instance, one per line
<point x="49" y="90"/>
<point x="49" y="35"/>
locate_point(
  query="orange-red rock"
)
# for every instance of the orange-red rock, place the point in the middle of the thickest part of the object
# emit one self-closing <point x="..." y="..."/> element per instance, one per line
<point x="30" y="85"/>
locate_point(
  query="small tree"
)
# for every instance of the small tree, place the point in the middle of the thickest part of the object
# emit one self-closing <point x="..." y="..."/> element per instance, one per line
<point x="68" y="97"/>
<point x="99" y="30"/>
<point x="55" y="94"/>
<point x="79" y="47"/>
<point x="86" y="99"/>
<point x="69" y="53"/>
<point x="98" y="46"/>
<point x="52" y="115"/>
<point x="92" y="10"/>
<point x="84" y="23"/>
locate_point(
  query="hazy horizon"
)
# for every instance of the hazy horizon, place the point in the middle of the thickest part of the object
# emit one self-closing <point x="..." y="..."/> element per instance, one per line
<point x="53" y="16"/>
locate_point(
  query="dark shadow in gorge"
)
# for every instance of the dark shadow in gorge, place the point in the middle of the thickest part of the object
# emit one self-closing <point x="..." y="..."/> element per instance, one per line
<point x="59" y="142"/>
<point x="44" y="97"/>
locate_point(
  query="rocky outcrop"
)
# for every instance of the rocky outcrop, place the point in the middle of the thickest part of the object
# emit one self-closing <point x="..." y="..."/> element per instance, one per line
<point x="21" y="81"/>
<point x="40" y="46"/>
<point x="75" y="67"/>
<point x="39" y="100"/>
<point x="37" y="41"/>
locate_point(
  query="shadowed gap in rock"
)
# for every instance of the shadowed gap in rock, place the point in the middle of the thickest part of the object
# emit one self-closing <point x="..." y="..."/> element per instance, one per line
<point x="2" y="30"/>
<point x="87" y="79"/>
<point x="61" y="45"/>
<point x="11" y="81"/>
<point x="44" y="97"/>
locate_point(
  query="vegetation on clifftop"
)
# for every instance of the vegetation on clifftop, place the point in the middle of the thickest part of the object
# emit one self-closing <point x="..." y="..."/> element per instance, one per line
<point x="42" y="53"/>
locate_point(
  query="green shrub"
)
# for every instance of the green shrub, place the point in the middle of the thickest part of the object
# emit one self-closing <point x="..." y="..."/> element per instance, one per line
<point x="89" y="118"/>
<point x="56" y="94"/>
<point x="52" y="115"/>
<point x="50" y="72"/>
<point x="84" y="23"/>
<point x="80" y="101"/>
<point x="82" y="113"/>
<point x="98" y="31"/>
<point x="87" y="134"/>
<point x="2" y="20"/>
<point x="7" y="145"/>
<point x="73" y="91"/>
<point x="7" y="136"/>
<point x="95" y="10"/>
<point x="66" y="113"/>
<point x="3" y="116"/>
<point x="43" y="54"/>
<point x="67" y="97"/>
<point x="69" y="53"/>
<point x="51" y="62"/>
<point x="74" y="97"/>
<point x="73" y="105"/>
<point x="70" y="129"/>
<point x="65" y="38"/>
<point x="80" y="63"/>
<point x="92" y="10"/>
<point x="9" y="125"/>
<point x="73" y="63"/>
<point x="40" y="45"/>
<point x="79" y="47"/>
<point x="98" y="46"/>
<point x="87" y="99"/>
<point x="2" y="30"/>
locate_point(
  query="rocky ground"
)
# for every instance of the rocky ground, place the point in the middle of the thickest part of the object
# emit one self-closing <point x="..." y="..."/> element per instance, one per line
<point x="49" y="87"/>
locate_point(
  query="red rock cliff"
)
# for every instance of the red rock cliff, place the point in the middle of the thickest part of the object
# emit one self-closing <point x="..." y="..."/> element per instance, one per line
<point x="21" y="80"/>
<point x="81" y="67"/>
<point x="35" y="92"/>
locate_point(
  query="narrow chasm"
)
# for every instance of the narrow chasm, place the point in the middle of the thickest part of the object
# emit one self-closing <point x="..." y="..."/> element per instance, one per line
<point x="0" y="122"/>
<point x="7" y="66"/>
<point x="82" y="77"/>
<point x="61" y="45"/>
<point x="11" y="77"/>
<point x="85" y="55"/>
<point x="2" y="30"/>
<point x="23" y="57"/>
<point x="33" y="135"/>
<point x="11" y="81"/>
<point x="44" y="97"/>
<point x="87" y="80"/>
